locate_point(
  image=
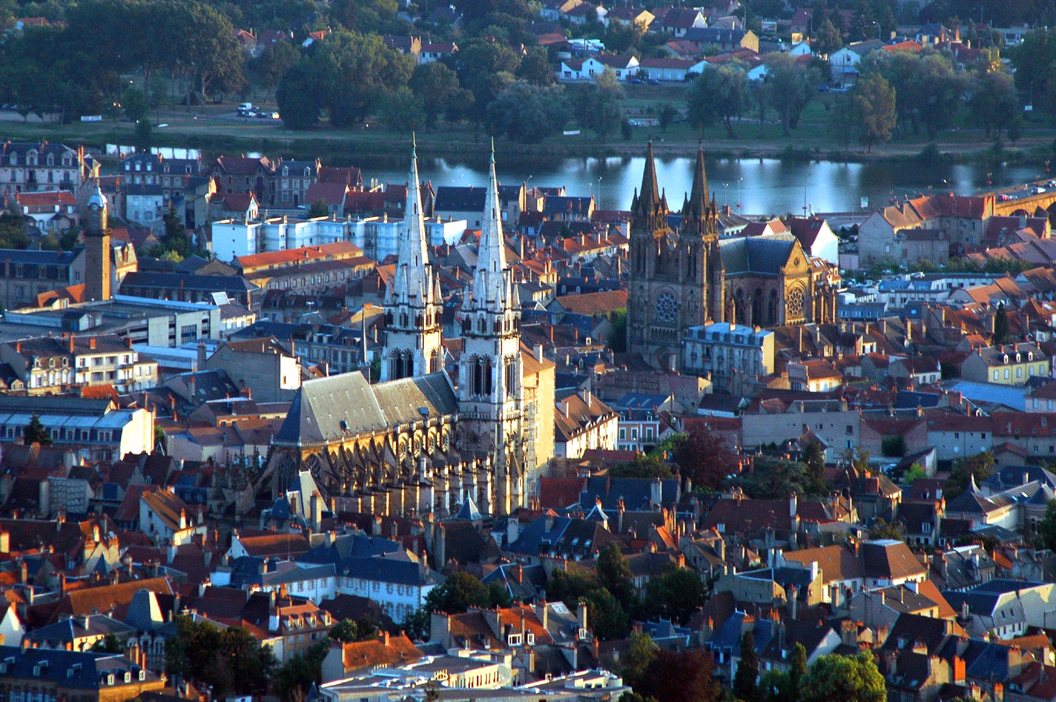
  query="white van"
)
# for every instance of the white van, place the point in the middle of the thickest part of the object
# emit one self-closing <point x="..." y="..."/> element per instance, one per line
<point x="245" y="107"/>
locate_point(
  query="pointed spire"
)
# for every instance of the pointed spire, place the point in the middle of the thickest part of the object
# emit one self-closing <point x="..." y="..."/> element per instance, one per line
<point x="488" y="278"/>
<point x="415" y="250"/>
<point x="699" y="196"/>
<point x="649" y="196"/>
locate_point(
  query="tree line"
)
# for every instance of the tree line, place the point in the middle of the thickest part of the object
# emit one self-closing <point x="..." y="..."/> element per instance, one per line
<point x="76" y="68"/>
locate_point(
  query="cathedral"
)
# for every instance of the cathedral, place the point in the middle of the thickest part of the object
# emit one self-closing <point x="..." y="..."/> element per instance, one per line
<point x="688" y="276"/>
<point x="415" y="443"/>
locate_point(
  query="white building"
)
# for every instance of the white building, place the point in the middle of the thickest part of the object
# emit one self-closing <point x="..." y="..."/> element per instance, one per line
<point x="625" y="66"/>
<point x="584" y="422"/>
<point x="721" y="349"/>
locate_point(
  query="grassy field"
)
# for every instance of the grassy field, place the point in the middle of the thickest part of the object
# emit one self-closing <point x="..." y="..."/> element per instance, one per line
<point x="213" y="128"/>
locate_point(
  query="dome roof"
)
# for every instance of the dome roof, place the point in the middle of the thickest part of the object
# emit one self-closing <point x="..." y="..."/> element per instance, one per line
<point x="97" y="198"/>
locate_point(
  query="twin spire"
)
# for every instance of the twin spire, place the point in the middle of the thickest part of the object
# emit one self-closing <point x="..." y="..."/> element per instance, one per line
<point x="491" y="284"/>
<point x="413" y="280"/>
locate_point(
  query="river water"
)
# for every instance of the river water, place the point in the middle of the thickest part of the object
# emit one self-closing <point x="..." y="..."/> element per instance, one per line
<point x="750" y="186"/>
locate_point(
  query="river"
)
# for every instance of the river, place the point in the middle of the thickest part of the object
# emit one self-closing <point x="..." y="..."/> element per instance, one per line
<point x="750" y="186"/>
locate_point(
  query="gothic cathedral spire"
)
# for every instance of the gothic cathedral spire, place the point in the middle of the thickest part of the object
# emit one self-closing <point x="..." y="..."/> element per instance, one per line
<point x="413" y="313"/>
<point x="490" y="372"/>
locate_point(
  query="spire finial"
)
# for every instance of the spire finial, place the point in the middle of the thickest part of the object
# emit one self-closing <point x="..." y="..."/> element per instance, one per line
<point x="493" y="150"/>
<point x="414" y="144"/>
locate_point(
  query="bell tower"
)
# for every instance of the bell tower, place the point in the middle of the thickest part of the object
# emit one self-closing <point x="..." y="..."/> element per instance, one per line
<point x="97" y="249"/>
<point x="413" y="306"/>
<point x="490" y="374"/>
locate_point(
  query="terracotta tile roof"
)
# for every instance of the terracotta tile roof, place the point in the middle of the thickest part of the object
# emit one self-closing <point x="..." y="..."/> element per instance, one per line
<point x="386" y="651"/>
<point x="167" y="506"/>
<point x="835" y="562"/>
<point x="559" y="493"/>
<point x="106" y="598"/>
<point x="275" y="545"/>
<point x="46" y="199"/>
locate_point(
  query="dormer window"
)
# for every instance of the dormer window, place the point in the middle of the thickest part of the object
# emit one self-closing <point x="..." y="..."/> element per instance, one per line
<point x="513" y="640"/>
<point x="142" y="675"/>
<point x="51" y="159"/>
<point x="128" y="676"/>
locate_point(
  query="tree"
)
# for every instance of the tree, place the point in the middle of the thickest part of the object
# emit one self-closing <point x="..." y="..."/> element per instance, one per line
<point x="993" y="103"/>
<point x="319" y="208"/>
<point x="1001" y="330"/>
<point x="272" y="65"/>
<point x="874" y="107"/>
<point x="980" y="467"/>
<point x="606" y="617"/>
<point x="643" y="466"/>
<point x="356" y="71"/>
<point x="485" y="69"/>
<point x="535" y="67"/>
<point x="108" y="644"/>
<point x="893" y="446"/>
<point x="745" y="680"/>
<point x="144" y="136"/>
<point x="35" y="433"/>
<point x="401" y="111"/>
<point x="680" y="677"/>
<point x="349" y="630"/>
<point x="675" y="595"/>
<point x="599" y="106"/>
<point x="1034" y="61"/>
<point x="814" y="460"/>
<point x="915" y="472"/>
<point x="797" y="671"/>
<point x="641" y="651"/>
<point x="718" y="95"/>
<point x="461" y="591"/>
<point x="704" y="457"/>
<point x="293" y="681"/>
<point x="135" y="104"/>
<point x="1047" y="527"/>
<point x="791" y="86"/>
<point x="617" y="340"/>
<point x="228" y="661"/>
<point x="207" y="45"/>
<point x="666" y="116"/>
<point x="615" y="575"/>
<point x="433" y="83"/>
<point x="836" y="678"/>
<point x="829" y="39"/>
<point x="937" y="91"/>
<point x="527" y="113"/>
<point x="882" y="530"/>
<point x="299" y="97"/>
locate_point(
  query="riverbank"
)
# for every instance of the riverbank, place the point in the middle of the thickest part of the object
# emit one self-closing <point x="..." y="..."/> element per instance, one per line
<point x="215" y="130"/>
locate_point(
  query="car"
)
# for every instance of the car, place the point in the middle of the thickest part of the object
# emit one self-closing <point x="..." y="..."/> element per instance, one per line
<point x="654" y="81"/>
<point x="1038" y="190"/>
<point x="1051" y="184"/>
<point x="1004" y="197"/>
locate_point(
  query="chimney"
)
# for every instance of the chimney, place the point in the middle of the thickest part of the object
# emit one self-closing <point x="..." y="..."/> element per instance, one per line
<point x="201" y="355"/>
<point x="581" y="615"/>
<point x="72" y="343"/>
<point x="317" y="512"/>
<point x="539" y="353"/>
<point x="91" y="343"/>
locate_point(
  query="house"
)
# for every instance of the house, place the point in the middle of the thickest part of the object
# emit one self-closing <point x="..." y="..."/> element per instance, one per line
<point x="678" y="21"/>
<point x="29" y="167"/>
<point x="710" y="38"/>
<point x="721" y="350"/>
<point x="144" y="204"/>
<point x="51" y="364"/>
<point x="51" y="212"/>
<point x="73" y="675"/>
<point x="631" y="16"/>
<point x="815" y="236"/>
<point x="624" y="66"/>
<point x="333" y="195"/>
<point x="241" y="207"/>
<point x="843" y="63"/>
<point x="295" y="625"/>
<point x="345" y="659"/>
<point x="583" y="422"/>
<point x="1010" y="364"/>
<point x="167" y="519"/>
<point x="667" y="69"/>
<point x="262" y="367"/>
<point x="1003" y="609"/>
<point x="294" y="178"/>
<point x="920" y="370"/>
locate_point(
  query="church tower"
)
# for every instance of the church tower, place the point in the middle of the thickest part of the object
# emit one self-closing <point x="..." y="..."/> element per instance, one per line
<point x="97" y="249"/>
<point x="490" y="373"/>
<point x="676" y="278"/>
<point x="413" y="306"/>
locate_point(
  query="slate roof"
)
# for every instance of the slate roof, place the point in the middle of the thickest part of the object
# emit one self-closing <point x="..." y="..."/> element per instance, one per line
<point x="890" y="559"/>
<point x="68" y="669"/>
<point x="757" y="255"/>
<point x="329" y="409"/>
<point x="569" y="536"/>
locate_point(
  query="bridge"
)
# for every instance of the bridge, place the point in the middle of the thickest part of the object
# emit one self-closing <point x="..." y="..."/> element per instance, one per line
<point x="1026" y="200"/>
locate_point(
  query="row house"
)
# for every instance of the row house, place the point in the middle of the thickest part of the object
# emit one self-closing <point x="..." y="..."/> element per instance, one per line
<point x="50" y="364"/>
<point x="32" y="167"/>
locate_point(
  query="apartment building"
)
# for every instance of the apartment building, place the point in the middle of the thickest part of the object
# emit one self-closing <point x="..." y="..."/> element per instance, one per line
<point x="49" y="364"/>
